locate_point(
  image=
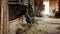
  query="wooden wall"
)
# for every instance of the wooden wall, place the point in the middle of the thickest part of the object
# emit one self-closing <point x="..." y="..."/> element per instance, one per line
<point x="53" y="5"/>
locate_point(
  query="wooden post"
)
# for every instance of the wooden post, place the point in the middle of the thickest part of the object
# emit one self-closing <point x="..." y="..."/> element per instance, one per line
<point x="59" y="5"/>
<point x="4" y="16"/>
<point x="40" y="5"/>
<point x="0" y="16"/>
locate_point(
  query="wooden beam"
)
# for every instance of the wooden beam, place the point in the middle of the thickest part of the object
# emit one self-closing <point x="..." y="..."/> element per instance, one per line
<point x="0" y="16"/>
<point x="40" y="5"/>
<point x="4" y="16"/>
<point x="59" y="5"/>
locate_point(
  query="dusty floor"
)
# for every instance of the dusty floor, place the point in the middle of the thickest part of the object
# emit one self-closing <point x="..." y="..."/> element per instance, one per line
<point x="41" y="26"/>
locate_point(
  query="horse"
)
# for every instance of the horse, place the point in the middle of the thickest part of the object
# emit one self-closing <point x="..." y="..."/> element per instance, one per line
<point x="17" y="10"/>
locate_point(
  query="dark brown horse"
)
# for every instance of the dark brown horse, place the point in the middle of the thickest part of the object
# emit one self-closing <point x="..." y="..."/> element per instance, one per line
<point x="17" y="10"/>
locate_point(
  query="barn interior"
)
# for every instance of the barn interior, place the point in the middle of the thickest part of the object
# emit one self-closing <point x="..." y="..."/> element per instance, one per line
<point x="30" y="16"/>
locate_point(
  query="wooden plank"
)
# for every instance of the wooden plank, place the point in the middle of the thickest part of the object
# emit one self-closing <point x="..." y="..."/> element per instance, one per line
<point x="0" y="16"/>
<point x="4" y="16"/>
<point x="1" y="19"/>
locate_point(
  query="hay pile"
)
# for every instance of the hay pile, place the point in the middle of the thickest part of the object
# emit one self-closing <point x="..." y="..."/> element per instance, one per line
<point x="36" y="28"/>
